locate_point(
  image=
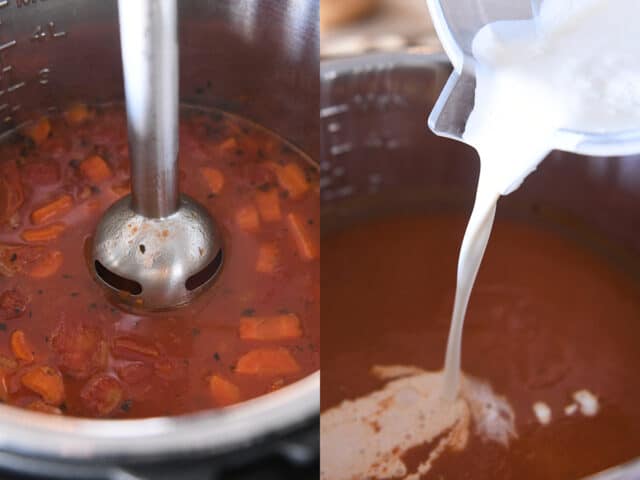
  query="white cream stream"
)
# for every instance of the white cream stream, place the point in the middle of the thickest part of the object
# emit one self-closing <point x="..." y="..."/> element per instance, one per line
<point x="576" y="66"/>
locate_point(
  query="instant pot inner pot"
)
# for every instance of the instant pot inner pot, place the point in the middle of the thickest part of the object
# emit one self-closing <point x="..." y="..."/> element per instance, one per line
<point x="378" y="157"/>
<point x="249" y="57"/>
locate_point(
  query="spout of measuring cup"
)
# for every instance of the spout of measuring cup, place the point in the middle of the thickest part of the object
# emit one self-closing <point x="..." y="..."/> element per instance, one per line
<point x="452" y="109"/>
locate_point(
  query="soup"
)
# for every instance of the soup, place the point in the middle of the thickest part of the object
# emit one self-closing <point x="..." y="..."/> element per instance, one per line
<point x="552" y="327"/>
<point x="64" y="348"/>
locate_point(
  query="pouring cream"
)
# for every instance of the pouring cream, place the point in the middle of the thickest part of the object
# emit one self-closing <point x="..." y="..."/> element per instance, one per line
<point x="575" y="66"/>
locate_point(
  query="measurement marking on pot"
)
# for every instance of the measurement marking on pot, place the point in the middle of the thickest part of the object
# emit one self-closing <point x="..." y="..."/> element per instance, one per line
<point x="333" y="110"/>
<point x="43" y="75"/>
<point x="6" y="45"/>
<point x="40" y="33"/>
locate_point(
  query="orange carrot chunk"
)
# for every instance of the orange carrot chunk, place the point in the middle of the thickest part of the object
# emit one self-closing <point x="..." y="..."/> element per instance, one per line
<point x="291" y="178"/>
<point x="277" y="327"/>
<point x="229" y="145"/>
<point x="267" y="361"/>
<point x="247" y="218"/>
<point x="48" y="264"/>
<point x="40" y="406"/>
<point x="44" y="234"/>
<point x="20" y="347"/>
<point x="269" y="205"/>
<point x="38" y="131"/>
<point x="76" y="114"/>
<point x="52" y="210"/>
<point x="96" y="169"/>
<point x="47" y="382"/>
<point x="268" y="258"/>
<point x="223" y="391"/>
<point x="214" y="179"/>
<point x="306" y="244"/>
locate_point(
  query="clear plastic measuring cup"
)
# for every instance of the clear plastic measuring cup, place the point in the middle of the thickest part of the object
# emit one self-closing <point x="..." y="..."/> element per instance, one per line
<point x="456" y="22"/>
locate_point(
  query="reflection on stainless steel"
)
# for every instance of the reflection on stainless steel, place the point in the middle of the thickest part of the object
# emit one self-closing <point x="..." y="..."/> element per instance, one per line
<point x="378" y="155"/>
<point x="66" y="50"/>
<point x="158" y="248"/>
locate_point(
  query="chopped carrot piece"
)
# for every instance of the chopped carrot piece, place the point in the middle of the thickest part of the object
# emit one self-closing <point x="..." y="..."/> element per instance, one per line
<point x="126" y="347"/>
<point x="268" y="258"/>
<point x="53" y="209"/>
<point x="267" y="361"/>
<point x="277" y="327"/>
<point x="44" y="234"/>
<point x="269" y="205"/>
<point x="47" y="382"/>
<point x="223" y="391"/>
<point x="102" y="395"/>
<point x="40" y="406"/>
<point x="4" y="387"/>
<point x="38" y="131"/>
<point x="20" y="347"/>
<point x="7" y="363"/>
<point x="122" y="189"/>
<point x="214" y="179"/>
<point x="95" y="168"/>
<point x="47" y="265"/>
<point x="11" y="191"/>
<point x="229" y="144"/>
<point x="247" y="218"/>
<point x="307" y="246"/>
<point x="291" y="178"/>
<point x="77" y="113"/>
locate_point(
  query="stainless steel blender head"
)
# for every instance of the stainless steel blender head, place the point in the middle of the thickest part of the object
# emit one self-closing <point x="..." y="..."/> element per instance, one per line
<point x="156" y="248"/>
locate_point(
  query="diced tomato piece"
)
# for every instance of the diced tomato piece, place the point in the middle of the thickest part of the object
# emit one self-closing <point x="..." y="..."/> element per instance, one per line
<point x="17" y="258"/>
<point x="267" y="361"/>
<point x="47" y="382"/>
<point x="268" y="258"/>
<point x="52" y="210"/>
<point x="269" y="205"/>
<point x="133" y="349"/>
<point x="20" y="347"/>
<point x="223" y="391"/>
<point x="101" y="395"/>
<point x="96" y="169"/>
<point x="11" y="192"/>
<point x="247" y="218"/>
<point x="214" y="179"/>
<point x="80" y="349"/>
<point x="13" y="303"/>
<point x="135" y="372"/>
<point x="38" y="131"/>
<point x="48" y="264"/>
<point x="276" y="327"/>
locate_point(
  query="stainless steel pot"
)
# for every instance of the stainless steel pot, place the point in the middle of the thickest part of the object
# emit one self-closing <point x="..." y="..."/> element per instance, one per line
<point x="255" y="58"/>
<point x="377" y="155"/>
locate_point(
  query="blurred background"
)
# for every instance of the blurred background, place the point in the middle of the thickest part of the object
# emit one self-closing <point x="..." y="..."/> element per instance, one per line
<point x="352" y="27"/>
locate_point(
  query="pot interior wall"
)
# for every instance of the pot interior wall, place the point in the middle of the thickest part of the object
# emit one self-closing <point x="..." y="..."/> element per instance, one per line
<point x="232" y="52"/>
<point x="378" y="155"/>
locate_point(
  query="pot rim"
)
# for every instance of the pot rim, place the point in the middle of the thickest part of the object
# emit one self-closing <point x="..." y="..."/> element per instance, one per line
<point x="211" y="432"/>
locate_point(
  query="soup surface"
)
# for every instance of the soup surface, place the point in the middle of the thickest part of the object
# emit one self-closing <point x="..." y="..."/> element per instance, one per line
<point x="550" y="323"/>
<point x="65" y="349"/>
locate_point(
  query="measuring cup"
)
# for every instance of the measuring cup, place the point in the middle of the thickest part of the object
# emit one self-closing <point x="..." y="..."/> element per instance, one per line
<point x="456" y="22"/>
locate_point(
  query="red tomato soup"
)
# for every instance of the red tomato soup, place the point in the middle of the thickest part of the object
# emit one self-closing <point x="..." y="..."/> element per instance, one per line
<point x="65" y="349"/>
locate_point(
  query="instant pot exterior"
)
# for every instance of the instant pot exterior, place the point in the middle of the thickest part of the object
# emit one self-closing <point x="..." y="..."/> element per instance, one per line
<point x="378" y="156"/>
<point x="255" y="58"/>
